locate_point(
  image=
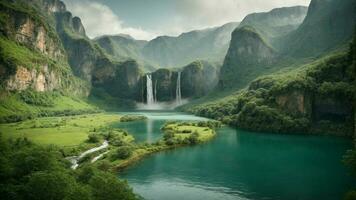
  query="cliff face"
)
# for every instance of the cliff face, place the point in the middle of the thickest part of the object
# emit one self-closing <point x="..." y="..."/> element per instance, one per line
<point x="315" y="98"/>
<point x="119" y="79"/>
<point x="197" y="79"/>
<point x="164" y="83"/>
<point x="31" y="31"/>
<point x="32" y="55"/>
<point x="41" y="81"/>
<point x="248" y="52"/>
<point x="328" y="25"/>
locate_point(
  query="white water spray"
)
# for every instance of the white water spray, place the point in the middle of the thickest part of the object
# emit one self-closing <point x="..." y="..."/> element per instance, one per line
<point x="178" y="91"/>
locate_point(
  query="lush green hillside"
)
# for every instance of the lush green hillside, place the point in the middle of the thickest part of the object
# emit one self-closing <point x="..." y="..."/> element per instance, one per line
<point x="253" y="51"/>
<point x="315" y="98"/>
<point x="123" y="47"/>
<point x="327" y="27"/>
<point x="36" y="79"/>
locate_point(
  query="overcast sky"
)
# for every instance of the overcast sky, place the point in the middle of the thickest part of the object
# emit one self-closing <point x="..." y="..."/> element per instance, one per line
<point x="146" y="19"/>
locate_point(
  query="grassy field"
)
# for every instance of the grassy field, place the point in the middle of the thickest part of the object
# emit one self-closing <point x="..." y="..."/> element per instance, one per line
<point x="62" y="131"/>
<point x="182" y="131"/>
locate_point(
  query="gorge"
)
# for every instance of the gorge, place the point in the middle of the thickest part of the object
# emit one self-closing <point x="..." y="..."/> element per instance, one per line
<point x="262" y="108"/>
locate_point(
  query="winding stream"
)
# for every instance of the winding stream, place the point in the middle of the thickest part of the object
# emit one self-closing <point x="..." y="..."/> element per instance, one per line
<point x="75" y="159"/>
<point x="239" y="165"/>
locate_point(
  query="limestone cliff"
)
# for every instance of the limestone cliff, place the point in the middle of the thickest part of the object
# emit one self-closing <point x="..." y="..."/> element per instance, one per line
<point x="32" y="55"/>
<point x="197" y="79"/>
<point x="248" y="54"/>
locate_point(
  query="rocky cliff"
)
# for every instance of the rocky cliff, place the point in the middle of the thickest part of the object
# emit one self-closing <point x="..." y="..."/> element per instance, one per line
<point x="248" y="55"/>
<point x="197" y="79"/>
<point x="32" y="56"/>
<point x="328" y="25"/>
<point x="315" y="98"/>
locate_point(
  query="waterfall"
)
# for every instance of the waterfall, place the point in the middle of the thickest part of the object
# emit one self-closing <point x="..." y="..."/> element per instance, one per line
<point x="150" y="98"/>
<point x="178" y="92"/>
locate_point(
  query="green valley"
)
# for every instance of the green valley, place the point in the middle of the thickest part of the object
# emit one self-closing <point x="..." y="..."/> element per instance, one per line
<point x="196" y="100"/>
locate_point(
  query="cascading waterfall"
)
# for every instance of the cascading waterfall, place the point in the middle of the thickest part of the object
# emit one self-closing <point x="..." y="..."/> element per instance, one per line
<point x="178" y="91"/>
<point x="150" y="97"/>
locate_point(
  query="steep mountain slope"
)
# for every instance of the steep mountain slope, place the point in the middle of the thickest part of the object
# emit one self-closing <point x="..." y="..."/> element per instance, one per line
<point x="121" y="47"/>
<point x="315" y="98"/>
<point x="247" y="56"/>
<point x="197" y="79"/>
<point x="277" y="22"/>
<point x="114" y="77"/>
<point x="328" y="25"/>
<point x="36" y="78"/>
<point x="209" y="44"/>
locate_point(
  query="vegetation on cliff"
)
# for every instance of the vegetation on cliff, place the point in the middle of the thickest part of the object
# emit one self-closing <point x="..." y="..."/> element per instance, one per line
<point x="315" y="98"/>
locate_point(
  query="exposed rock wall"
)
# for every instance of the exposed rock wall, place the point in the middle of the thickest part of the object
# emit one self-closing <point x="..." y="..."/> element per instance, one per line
<point x="40" y="81"/>
<point x="247" y="56"/>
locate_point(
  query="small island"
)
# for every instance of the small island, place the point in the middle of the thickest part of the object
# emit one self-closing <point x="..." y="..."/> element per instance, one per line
<point x="124" y="152"/>
<point x="130" y="118"/>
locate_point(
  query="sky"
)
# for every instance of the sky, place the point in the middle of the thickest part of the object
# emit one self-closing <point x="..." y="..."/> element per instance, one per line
<point x="147" y="19"/>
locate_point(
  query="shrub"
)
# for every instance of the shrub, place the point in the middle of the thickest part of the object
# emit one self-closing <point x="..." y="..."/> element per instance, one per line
<point x="194" y="138"/>
<point x="123" y="152"/>
<point x="93" y="138"/>
<point x="168" y="135"/>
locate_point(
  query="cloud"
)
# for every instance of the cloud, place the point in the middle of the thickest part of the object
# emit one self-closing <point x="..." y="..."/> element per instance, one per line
<point x="203" y="13"/>
<point x="98" y="19"/>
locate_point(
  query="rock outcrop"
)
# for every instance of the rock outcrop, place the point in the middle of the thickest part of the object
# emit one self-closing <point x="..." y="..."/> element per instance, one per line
<point x="247" y="55"/>
<point x="33" y="56"/>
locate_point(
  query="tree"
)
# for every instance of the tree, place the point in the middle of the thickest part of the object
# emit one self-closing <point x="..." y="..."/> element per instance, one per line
<point x="93" y="138"/>
<point x="194" y="138"/>
<point x="49" y="185"/>
<point x="106" y="186"/>
<point x="123" y="152"/>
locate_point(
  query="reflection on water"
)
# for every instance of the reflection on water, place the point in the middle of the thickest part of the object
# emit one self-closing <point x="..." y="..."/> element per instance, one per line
<point x="241" y="165"/>
<point x="149" y="125"/>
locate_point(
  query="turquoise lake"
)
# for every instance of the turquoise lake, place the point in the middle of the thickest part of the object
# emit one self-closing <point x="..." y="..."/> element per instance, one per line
<point x="239" y="165"/>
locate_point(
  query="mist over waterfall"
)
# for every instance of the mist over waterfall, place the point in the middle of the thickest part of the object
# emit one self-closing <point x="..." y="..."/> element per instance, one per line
<point x="152" y="94"/>
<point x="178" y="91"/>
<point x="150" y="97"/>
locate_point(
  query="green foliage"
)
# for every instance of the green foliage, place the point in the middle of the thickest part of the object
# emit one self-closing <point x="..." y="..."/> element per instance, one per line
<point x="193" y="138"/>
<point x="13" y="54"/>
<point x="130" y="118"/>
<point x="106" y="186"/>
<point x="37" y="98"/>
<point x="93" y="138"/>
<point x="123" y="152"/>
<point x="28" y="104"/>
<point x="351" y="195"/>
<point x="270" y="102"/>
<point x="49" y="185"/>
<point x="32" y="172"/>
<point x="349" y="160"/>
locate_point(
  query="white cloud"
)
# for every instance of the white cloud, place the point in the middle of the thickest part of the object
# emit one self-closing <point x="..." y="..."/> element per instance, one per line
<point x="98" y="19"/>
<point x="204" y="13"/>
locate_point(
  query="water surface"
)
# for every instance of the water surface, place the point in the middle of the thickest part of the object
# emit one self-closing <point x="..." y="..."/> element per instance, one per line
<point x="240" y="165"/>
